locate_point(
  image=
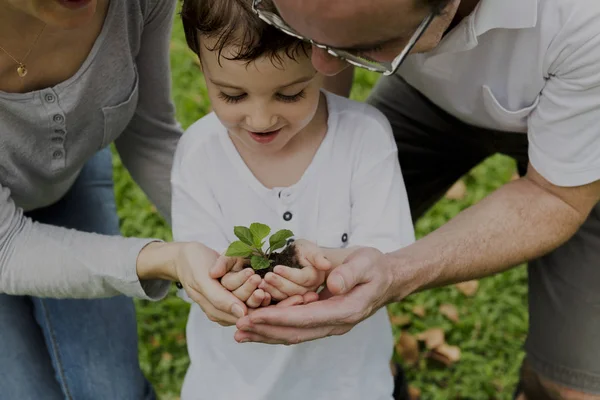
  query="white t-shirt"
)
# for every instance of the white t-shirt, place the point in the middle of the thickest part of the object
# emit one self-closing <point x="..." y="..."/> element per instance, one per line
<point x="351" y="194"/>
<point x="530" y="66"/>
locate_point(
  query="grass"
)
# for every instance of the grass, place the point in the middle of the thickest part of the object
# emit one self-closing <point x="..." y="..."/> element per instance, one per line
<point x="492" y="325"/>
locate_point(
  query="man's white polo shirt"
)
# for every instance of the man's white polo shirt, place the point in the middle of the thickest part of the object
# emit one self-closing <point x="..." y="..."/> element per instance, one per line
<point x="524" y="66"/>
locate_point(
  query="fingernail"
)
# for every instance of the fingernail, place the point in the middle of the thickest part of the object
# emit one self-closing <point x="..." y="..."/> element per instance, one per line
<point x="244" y="340"/>
<point x="340" y="282"/>
<point x="237" y="311"/>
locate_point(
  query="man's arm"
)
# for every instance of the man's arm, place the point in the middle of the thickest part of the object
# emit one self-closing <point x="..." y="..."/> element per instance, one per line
<point x="521" y="221"/>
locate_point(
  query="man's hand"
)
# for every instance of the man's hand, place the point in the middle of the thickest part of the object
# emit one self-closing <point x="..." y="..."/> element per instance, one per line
<point x="358" y="288"/>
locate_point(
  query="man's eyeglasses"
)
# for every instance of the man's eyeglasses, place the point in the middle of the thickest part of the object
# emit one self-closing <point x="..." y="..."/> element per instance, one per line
<point x="387" y="68"/>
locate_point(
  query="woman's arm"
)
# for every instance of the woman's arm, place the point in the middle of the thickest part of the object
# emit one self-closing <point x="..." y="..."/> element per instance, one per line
<point x="148" y="144"/>
<point x="49" y="261"/>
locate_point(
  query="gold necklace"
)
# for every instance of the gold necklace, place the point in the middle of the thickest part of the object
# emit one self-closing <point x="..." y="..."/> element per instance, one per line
<point x="21" y="67"/>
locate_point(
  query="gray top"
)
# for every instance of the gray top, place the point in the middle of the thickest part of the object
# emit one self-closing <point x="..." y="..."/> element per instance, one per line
<point x="121" y="93"/>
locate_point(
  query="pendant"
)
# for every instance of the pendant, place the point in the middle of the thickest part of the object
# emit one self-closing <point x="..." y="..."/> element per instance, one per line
<point x="22" y="70"/>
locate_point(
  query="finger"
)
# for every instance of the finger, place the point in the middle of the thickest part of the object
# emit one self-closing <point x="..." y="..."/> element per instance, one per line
<point x="291" y="301"/>
<point x="313" y="256"/>
<point x="274" y="292"/>
<point x="234" y="280"/>
<point x="284" y="335"/>
<point x="256" y="298"/>
<point x="307" y="276"/>
<point x="334" y="311"/>
<point x="245" y="291"/>
<point x="350" y="274"/>
<point x="266" y="300"/>
<point x="311" y="297"/>
<point x="247" y="337"/>
<point x="211" y="312"/>
<point x="221" y="298"/>
<point x="223" y="265"/>
<point x="285" y="286"/>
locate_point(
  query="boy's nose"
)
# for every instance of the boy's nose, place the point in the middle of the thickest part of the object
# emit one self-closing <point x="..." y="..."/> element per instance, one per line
<point x="261" y="121"/>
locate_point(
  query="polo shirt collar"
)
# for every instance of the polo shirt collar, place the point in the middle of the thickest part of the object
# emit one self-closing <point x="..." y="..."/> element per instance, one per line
<point x="504" y="14"/>
<point x="488" y="15"/>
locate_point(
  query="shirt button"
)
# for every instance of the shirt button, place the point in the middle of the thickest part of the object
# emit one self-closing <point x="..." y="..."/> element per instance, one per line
<point x="58" y="118"/>
<point x="59" y="131"/>
<point x="57" y="155"/>
<point x="50" y="98"/>
<point x="57" y="140"/>
<point x="345" y="237"/>
<point x="287" y="216"/>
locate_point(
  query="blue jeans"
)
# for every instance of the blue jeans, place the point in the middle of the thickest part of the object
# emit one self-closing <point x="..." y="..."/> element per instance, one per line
<point x="73" y="349"/>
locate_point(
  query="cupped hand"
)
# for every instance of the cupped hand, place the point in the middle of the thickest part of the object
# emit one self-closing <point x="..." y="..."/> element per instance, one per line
<point x="192" y="265"/>
<point x="357" y="289"/>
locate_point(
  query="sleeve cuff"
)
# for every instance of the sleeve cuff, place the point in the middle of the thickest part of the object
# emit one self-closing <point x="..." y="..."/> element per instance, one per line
<point x="130" y="285"/>
<point x="561" y="175"/>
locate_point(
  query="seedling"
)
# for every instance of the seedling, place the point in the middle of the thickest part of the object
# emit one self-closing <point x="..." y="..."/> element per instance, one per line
<point x="251" y="245"/>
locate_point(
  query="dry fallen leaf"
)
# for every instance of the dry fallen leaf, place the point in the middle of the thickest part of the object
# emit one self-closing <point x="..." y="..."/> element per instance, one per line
<point x="414" y="393"/>
<point x="400" y="320"/>
<point x="450" y="312"/>
<point x="446" y="354"/>
<point x="433" y="337"/>
<point x="154" y="341"/>
<point x="457" y="191"/>
<point x="393" y="368"/>
<point x="468" y="288"/>
<point x="408" y="348"/>
<point x="419" y="311"/>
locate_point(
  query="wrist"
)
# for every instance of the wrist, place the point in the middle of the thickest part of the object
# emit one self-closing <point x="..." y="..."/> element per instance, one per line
<point x="407" y="275"/>
<point x="156" y="260"/>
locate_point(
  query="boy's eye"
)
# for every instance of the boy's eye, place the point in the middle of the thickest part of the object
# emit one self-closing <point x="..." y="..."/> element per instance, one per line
<point x="232" y="99"/>
<point x="291" y="99"/>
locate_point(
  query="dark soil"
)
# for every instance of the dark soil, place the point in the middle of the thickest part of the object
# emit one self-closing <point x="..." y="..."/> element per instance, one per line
<point x="287" y="257"/>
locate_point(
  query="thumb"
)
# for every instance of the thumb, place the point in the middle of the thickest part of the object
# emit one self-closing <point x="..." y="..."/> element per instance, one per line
<point x="222" y="266"/>
<point x="315" y="258"/>
<point x="351" y="273"/>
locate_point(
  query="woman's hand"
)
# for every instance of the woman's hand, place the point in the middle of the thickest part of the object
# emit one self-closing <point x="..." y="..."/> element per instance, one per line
<point x="189" y="263"/>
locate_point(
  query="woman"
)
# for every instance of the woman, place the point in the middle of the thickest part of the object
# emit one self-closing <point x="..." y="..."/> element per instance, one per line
<point x="76" y="75"/>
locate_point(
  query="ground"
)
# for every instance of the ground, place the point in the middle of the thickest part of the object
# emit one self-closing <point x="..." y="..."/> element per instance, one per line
<point x="490" y="326"/>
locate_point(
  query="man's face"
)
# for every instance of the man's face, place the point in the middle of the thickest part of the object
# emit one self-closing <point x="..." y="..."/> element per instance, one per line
<point x="378" y="29"/>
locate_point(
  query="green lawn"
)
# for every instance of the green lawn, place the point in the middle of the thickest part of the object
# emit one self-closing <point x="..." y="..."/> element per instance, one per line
<point x="491" y="327"/>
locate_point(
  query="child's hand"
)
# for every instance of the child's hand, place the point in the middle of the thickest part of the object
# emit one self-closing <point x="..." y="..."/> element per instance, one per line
<point x="243" y="283"/>
<point x="285" y="282"/>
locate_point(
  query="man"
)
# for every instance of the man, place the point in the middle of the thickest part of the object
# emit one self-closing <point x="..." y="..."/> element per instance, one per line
<point x="521" y="77"/>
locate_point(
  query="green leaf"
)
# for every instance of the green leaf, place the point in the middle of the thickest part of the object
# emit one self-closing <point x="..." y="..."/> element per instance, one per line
<point x="259" y="232"/>
<point x="259" y="263"/>
<point x="279" y="239"/>
<point x="238" y="249"/>
<point x="244" y="235"/>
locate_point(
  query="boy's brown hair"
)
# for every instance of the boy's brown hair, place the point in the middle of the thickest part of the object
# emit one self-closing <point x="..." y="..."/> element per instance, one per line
<point x="235" y="25"/>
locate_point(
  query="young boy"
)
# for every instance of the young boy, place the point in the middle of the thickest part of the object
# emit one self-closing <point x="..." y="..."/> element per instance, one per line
<point x="279" y="150"/>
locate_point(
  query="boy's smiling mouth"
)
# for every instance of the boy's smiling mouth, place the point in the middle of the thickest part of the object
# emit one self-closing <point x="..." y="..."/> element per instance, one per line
<point x="264" y="137"/>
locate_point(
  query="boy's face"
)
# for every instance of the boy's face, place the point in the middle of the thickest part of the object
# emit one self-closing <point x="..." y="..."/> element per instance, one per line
<point x="262" y="105"/>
